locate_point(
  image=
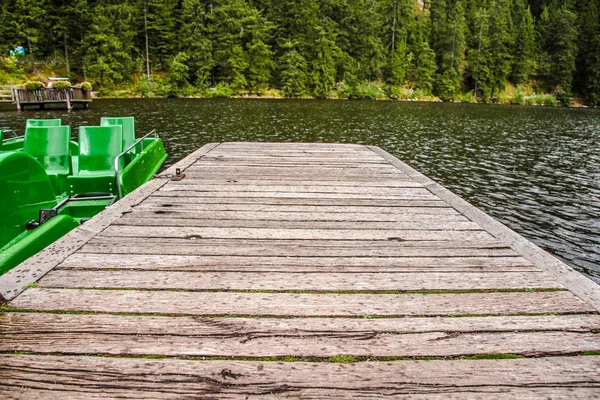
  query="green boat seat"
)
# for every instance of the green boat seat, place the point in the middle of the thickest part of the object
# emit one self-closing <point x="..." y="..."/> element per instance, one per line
<point x="43" y="122"/>
<point x="99" y="146"/>
<point x="1" y="139"/>
<point x="51" y="147"/>
<point x="128" y="125"/>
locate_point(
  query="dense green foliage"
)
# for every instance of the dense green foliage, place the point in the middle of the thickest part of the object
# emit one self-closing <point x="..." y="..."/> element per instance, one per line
<point x="454" y="49"/>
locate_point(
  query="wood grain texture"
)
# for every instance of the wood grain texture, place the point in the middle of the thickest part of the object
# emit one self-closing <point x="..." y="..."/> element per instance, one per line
<point x="176" y="201"/>
<point x="304" y="393"/>
<point x="296" y="281"/>
<point x="133" y="220"/>
<point x="166" y="215"/>
<point x="297" y="264"/>
<point x="235" y="379"/>
<point x="300" y="234"/>
<point x="256" y="182"/>
<point x="284" y="304"/>
<point x="434" y="344"/>
<point x="198" y="191"/>
<point x="297" y="248"/>
<point x="15" y="323"/>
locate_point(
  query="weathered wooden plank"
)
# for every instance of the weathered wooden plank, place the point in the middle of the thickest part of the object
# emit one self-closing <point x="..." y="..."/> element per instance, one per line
<point x="434" y="344"/>
<point x="307" y="177"/>
<point x="298" y="162"/>
<point x="235" y="379"/>
<point x="21" y="392"/>
<point x="297" y="264"/>
<point x="233" y="147"/>
<point x="161" y="220"/>
<point x="296" y="281"/>
<point x="15" y="323"/>
<point x="385" y="170"/>
<point x="297" y="248"/>
<point x="303" y="393"/>
<point x="194" y="185"/>
<point x="175" y="200"/>
<point x="294" y="158"/>
<point x="199" y="191"/>
<point x="284" y="304"/>
<point x="167" y="214"/>
<point x="314" y="234"/>
<point x="256" y="182"/>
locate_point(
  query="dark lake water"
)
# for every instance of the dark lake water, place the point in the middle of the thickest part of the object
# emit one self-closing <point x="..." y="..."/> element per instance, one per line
<point x="535" y="169"/>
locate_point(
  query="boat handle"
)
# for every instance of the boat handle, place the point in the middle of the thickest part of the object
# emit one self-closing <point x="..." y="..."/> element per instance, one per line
<point x="117" y="169"/>
<point x="14" y="137"/>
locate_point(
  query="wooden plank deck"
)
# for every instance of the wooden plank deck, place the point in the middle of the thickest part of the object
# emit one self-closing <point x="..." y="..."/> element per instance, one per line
<point x="311" y="271"/>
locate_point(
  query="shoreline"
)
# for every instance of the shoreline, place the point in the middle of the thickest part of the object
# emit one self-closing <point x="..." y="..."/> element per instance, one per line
<point x="575" y="102"/>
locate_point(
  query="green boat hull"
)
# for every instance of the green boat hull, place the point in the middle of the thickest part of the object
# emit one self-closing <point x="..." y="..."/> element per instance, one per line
<point x="39" y="205"/>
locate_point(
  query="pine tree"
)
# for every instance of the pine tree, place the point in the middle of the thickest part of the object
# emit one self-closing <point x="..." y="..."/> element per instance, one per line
<point x="323" y="71"/>
<point x="293" y="76"/>
<point x="561" y="46"/>
<point x="398" y="15"/>
<point x="423" y="68"/>
<point x="237" y="64"/>
<point x="179" y="74"/>
<point x="161" y="20"/>
<point x="260" y="55"/>
<point x="359" y="28"/>
<point x="260" y="65"/>
<point x="589" y="50"/>
<point x="523" y="53"/>
<point x="501" y="43"/>
<point x="109" y="43"/>
<point x="194" y="34"/>
<point x="450" y="46"/>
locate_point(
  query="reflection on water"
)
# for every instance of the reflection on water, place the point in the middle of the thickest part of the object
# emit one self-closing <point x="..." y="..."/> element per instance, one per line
<point x="535" y="169"/>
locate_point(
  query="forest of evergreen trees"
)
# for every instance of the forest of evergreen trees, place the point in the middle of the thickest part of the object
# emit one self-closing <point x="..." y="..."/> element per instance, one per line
<point x="447" y="48"/>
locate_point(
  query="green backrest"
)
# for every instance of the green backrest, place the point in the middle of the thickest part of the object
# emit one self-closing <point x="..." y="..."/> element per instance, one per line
<point x="50" y="146"/>
<point x="1" y="139"/>
<point x="128" y="125"/>
<point x="43" y="122"/>
<point x="99" y="146"/>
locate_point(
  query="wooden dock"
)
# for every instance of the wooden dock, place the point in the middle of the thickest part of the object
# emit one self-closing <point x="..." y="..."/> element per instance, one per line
<point x="51" y="96"/>
<point x="313" y="271"/>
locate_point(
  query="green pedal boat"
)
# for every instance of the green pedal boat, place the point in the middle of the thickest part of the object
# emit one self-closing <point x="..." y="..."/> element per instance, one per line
<point x="50" y="184"/>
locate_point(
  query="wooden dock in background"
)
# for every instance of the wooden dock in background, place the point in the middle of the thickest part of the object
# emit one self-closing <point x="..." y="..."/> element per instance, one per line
<point x="296" y="271"/>
<point x="51" y="96"/>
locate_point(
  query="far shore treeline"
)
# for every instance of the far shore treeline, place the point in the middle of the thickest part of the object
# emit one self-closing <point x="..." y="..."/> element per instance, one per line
<point x="465" y="50"/>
